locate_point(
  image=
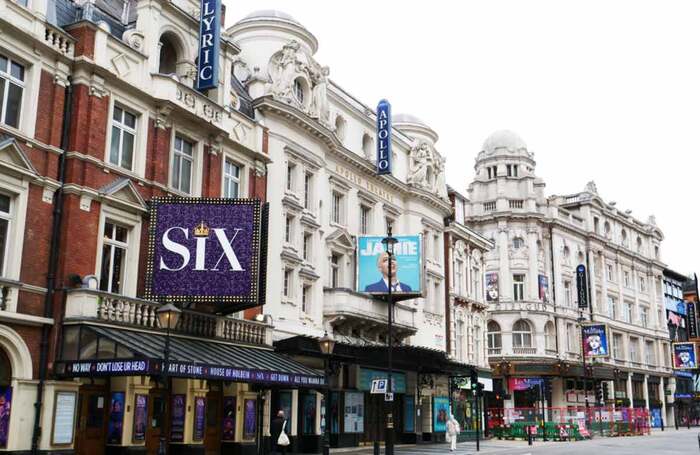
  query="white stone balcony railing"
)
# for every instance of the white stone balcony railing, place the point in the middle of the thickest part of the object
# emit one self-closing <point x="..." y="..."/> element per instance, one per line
<point x="59" y="40"/>
<point x="9" y="294"/>
<point x="524" y="351"/>
<point x="494" y="351"/>
<point x="90" y="304"/>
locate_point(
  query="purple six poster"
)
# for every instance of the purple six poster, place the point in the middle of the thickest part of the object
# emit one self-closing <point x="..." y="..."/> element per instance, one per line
<point x="177" y="420"/>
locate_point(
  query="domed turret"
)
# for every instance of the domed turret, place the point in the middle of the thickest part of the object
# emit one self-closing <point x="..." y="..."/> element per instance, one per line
<point x="414" y="127"/>
<point x="505" y="140"/>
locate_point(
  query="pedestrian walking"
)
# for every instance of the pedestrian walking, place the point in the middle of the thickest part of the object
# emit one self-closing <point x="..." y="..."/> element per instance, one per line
<point x="279" y="438"/>
<point x="451" y="432"/>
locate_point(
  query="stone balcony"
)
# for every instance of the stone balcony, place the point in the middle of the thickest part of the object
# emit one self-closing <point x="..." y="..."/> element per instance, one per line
<point x="92" y="305"/>
<point x="348" y="310"/>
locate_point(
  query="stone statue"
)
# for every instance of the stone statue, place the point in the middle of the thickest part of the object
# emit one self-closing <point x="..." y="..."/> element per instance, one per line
<point x="591" y="187"/>
<point x="319" y="94"/>
<point x="419" y="166"/>
<point x="283" y="69"/>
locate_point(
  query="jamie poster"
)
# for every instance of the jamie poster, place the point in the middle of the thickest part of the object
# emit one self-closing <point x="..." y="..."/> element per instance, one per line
<point x="441" y="410"/>
<point x="595" y="340"/>
<point x="684" y="356"/>
<point x="205" y="250"/>
<point x="177" y="421"/>
<point x="250" y="417"/>
<point x="5" y="405"/>
<point x="116" y="418"/>
<point x="492" y="287"/>
<point x="200" y="404"/>
<point x="228" y="430"/>
<point x="406" y="268"/>
<point x="543" y="284"/>
<point x="140" y="416"/>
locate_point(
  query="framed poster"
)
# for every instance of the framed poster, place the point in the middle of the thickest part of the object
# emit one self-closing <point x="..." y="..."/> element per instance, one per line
<point x="543" y="285"/>
<point x="308" y="416"/>
<point x="200" y="404"/>
<point x="116" y="418"/>
<point x="63" y="418"/>
<point x="5" y="407"/>
<point x="354" y="413"/>
<point x="409" y="414"/>
<point x="250" y="418"/>
<point x="441" y="410"/>
<point x="286" y="405"/>
<point x="177" y="419"/>
<point x="492" y="287"/>
<point x="228" y="427"/>
<point x="684" y="356"/>
<point x="595" y="340"/>
<point x="373" y="265"/>
<point x="140" y="417"/>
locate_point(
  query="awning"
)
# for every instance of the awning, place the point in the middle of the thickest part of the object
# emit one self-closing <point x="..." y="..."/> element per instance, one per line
<point x="190" y="358"/>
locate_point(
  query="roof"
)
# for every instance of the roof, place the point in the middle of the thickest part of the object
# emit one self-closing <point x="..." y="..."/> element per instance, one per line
<point x="503" y="139"/>
<point x="270" y="14"/>
<point x="210" y="356"/>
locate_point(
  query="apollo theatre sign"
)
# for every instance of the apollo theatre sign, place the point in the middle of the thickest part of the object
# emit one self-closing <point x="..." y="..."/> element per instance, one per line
<point x="207" y="251"/>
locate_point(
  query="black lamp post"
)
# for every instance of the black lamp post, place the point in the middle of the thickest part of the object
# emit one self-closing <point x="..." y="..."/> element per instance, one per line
<point x="326" y="344"/>
<point x="389" y="243"/>
<point x="168" y="317"/>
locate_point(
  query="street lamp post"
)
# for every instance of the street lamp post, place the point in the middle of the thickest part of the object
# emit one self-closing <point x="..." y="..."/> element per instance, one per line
<point x="168" y="316"/>
<point x="389" y="243"/>
<point x="586" y="372"/>
<point x="326" y="344"/>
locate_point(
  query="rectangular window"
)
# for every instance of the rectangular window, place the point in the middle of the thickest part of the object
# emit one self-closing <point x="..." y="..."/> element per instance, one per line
<point x="337" y="208"/>
<point x="114" y="249"/>
<point x="627" y="278"/>
<point x="307" y="246"/>
<point x="436" y="298"/>
<point x="567" y="294"/>
<point x="305" y="296"/>
<point x="307" y="189"/>
<point x="610" y="273"/>
<point x="365" y="213"/>
<point x="644" y="316"/>
<point x="436" y="247"/>
<point x="617" y="346"/>
<point x="335" y="270"/>
<point x="649" y="354"/>
<point x="288" y="229"/>
<point x="459" y="340"/>
<point x="634" y="348"/>
<point x="183" y="160"/>
<point x="515" y="170"/>
<point x="596" y="225"/>
<point x="389" y="224"/>
<point x="121" y="152"/>
<point x="287" y="282"/>
<point x="488" y="169"/>
<point x="571" y="341"/>
<point x="11" y="89"/>
<point x="518" y="287"/>
<point x="509" y="171"/>
<point x="232" y="179"/>
<point x="642" y="284"/>
<point x="458" y="276"/>
<point x="290" y="176"/>
<point x="626" y="312"/>
<point x="5" y="219"/>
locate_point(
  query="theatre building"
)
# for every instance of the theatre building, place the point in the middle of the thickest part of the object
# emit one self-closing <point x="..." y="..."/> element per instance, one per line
<point x="98" y="118"/>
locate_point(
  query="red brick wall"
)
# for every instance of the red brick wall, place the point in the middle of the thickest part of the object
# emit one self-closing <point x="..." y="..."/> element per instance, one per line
<point x="211" y="184"/>
<point x="32" y="338"/>
<point x="49" y="115"/>
<point x="85" y="44"/>
<point x="89" y="124"/>
<point x="37" y="238"/>
<point x="158" y="153"/>
<point x="78" y="239"/>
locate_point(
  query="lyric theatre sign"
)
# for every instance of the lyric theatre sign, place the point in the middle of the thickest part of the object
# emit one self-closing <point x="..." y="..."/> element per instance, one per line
<point x="207" y="250"/>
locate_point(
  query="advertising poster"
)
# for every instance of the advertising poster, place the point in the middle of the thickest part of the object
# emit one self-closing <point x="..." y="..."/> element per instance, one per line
<point x="228" y="427"/>
<point x="492" y="287"/>
<point x="595" y="340"/>
<point x="5" y="405"/>
<point x="64" y="418"/>
<point x="441" y="411"/>
<point x="116" y="418"/>
<point x="140" y="417"/>
<point x="177" y="420"/>
<point x="516" y="384"/>
<point x="692" y="320"/>
<point x="677" y="306"/>
<point x="354" y="419"/>
<point x="250" y="417"/>
<point x="656" y="417"/>
<point x="543" y="284"/>
<point x="200" y="405"/>
<point x="308" y="416"/>
<point x="409" y="414"/>
<point x="286" y="404"/>
<point x="684" y="356"/>
<point x="205" y="250"/>
<point x="406" y="268"/>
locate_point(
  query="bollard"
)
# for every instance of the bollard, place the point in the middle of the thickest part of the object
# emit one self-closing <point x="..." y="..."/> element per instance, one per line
<point x="662" y="424"/>
<point x="698" y="440"/>
<point x="529" y="436"/>
<point x="376" y="447"/>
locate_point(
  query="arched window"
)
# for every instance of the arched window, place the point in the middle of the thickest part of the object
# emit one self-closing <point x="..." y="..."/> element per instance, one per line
<point x="167" y="63"/>
<point x="522" y="334"/>
<point x="550" y="336"/>
<point x="624" y="237"/>
<point x="518" y="243"/>
<point x="606" y="229"/>
<point x="367" y="146"/>
<point x="493" y="335"/>
<point x="5" y="370"/>
<point x="639" y="245"/>
<point x="340" y="127"/>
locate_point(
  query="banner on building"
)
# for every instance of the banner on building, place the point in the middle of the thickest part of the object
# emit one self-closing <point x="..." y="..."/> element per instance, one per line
<point x="492" y="287"/>
<point x="207" y="250"/>
<point x="543" y="284"/>
<point x="115" y="425"/>
<point x="140" y="417"/>
<point x="383" y="138"/>
<point x="228" y="430"/>
<point x="406" y="268"/>
<point x="200" y="405"/>
<point x="677" y="306"/>
<point x="517" y="384"/>
<point x="209" y="44"/>
<point x="441" y="411"/>
<point x="685" y="356"/>
<point x="595" y="340"/>
<point x="692" y="320"/>
<point x="177" y="418"/>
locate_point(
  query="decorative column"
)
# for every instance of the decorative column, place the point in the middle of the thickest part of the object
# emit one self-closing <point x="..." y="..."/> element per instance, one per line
<point x="635" y="285"/>
<point x="630" y="396"/>
<point x="592" y="274"/>
<point x="604" y="294"/>
<point x="504" y="278"/>
<point x="646" y="392"/>
<point x="662" y="399"/>
<point x="533" y="285"/>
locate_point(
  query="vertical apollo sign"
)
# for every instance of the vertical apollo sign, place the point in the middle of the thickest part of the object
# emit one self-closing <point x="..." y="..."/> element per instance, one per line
<point x="383" y="138"/>
<point x="209" y="39"/>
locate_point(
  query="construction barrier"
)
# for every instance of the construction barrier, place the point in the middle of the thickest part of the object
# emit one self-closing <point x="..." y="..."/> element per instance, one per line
<point x="567" y="424"/>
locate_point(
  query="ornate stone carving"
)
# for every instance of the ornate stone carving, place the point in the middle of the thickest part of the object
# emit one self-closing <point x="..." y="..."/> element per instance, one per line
<point x="427" y="169"/>
<point x="292" y="64"/>
<point x="134" y="39"/>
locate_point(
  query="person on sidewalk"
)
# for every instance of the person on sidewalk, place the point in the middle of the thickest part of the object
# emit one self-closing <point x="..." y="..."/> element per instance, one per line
<point x="452" y="432"/>
<point x="276" y="428"/>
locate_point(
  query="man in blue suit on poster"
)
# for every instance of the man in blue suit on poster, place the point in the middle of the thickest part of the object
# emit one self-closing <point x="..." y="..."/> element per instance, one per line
<point x="383" y="284"/>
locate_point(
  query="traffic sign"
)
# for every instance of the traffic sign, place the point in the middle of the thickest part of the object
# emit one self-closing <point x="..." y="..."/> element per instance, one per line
<point x="379" y="386"/>
<point x="388" y="396"/>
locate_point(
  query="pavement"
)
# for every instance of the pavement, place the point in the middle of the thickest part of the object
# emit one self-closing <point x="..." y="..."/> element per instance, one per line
<point x="669" y="442"/>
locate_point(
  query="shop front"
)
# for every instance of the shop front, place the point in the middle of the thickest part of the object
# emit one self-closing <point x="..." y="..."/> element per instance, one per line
<point x="210" y="397"/>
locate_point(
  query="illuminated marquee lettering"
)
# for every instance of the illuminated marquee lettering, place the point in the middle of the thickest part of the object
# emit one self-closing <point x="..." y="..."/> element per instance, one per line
<point x="200" y="251"/>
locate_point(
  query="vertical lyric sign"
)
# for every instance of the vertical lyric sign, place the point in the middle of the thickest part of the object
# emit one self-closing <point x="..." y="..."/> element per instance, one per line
<point x="209" y="43"/>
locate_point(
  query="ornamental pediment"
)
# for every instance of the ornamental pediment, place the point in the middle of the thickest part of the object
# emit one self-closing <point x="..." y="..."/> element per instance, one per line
<point x="123" y="191"/>
<point x="340" y="238"/>
<point x="13" y="158"/>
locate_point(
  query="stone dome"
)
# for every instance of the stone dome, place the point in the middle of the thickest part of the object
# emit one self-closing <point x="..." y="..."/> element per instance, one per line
<point x="503" y="139"/>
<point x="407" y="118"/>
<point x="270" y="14"/>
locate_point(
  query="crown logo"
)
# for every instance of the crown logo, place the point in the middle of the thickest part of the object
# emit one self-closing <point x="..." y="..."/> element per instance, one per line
<point x="201" y="230"/>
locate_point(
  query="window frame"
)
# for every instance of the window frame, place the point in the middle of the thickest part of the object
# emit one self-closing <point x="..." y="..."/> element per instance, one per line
<point x="521" y="285"/>
<point x="123" y="129"/>
<point x="337" y="208"/>
<point x="132" y="221"/>
<point x="113" y="244"/>
<point x="226" y="177"/>
<point x="520" y="334"/>
<point x="195" y="187"/>
<point x="22" y="84"/>
<point x="494" y="339"/>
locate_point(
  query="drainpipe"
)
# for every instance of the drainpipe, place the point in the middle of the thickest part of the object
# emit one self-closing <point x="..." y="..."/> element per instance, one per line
<point x="53" y="267"/>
